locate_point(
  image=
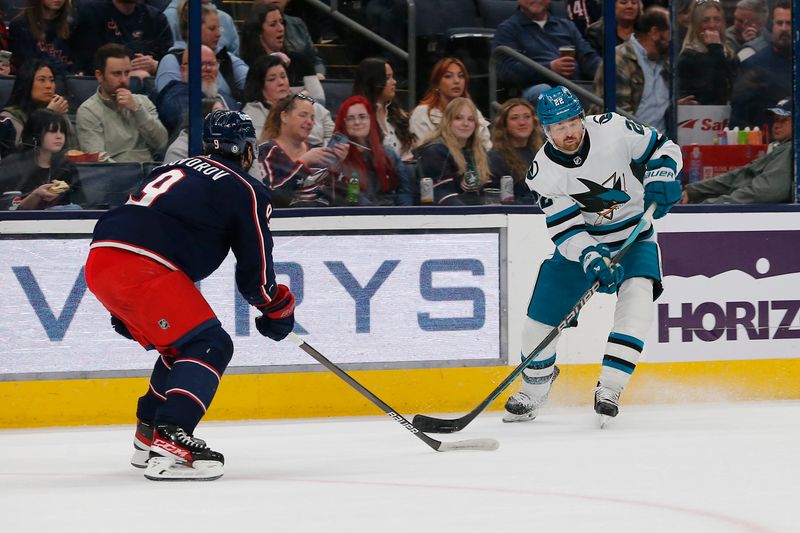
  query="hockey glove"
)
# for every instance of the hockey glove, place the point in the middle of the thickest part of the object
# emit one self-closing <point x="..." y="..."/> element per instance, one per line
<point x="596" y="262"/>
<point x="120" y="327"/>
<point x="278" y="318"/>
<point x="664" y="194"/>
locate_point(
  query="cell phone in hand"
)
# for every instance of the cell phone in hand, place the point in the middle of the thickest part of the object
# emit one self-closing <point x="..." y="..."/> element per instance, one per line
<point x="338" y="138"/>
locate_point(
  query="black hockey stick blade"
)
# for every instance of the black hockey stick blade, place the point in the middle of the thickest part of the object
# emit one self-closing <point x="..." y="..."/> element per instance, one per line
<point x="439" y="446"/>
<point x="432" y="424"/>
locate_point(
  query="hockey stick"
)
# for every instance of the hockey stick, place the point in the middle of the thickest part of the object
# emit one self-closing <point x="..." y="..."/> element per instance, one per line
<point x="439" y="446"/>
<point x="442" y="425"/>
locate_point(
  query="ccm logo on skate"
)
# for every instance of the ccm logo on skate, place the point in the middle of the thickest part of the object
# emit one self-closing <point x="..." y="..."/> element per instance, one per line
<point x="408" y="425"/>
<point x="171" y="448"/>
<point x="709" y="321"/>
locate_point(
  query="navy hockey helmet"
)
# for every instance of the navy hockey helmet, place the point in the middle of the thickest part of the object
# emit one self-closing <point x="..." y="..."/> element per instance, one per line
<point x="556" y="105"/>
<point x="227" y="133"/>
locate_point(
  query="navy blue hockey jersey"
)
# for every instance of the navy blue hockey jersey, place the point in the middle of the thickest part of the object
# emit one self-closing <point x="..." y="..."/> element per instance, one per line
<point x="189" y="214"/>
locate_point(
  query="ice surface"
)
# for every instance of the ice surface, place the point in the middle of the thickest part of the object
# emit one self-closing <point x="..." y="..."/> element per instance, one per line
<point x="699" y="468"/>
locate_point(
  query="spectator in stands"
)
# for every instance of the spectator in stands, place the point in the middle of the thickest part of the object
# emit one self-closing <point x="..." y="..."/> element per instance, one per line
<point x="748" y="34"/>
<point x="297" y="174"/>
<point x="141" y="28"/>
<point x="34" y="88"/>
<point x="642" y="70"/>
<point x="684" y="17"/>
<point x="706" y="65"/>
<point x="767" y="76"/>
<point x="42" y="160"/>
<point x="116" y="121"/>
<point x="383" y="178"/>
<point x="297" y="39"/>
<point x="626" y="11"/>
<point x="453" y="156"/>
<point x="583" y="13"/>
<point x="263" y="33"/>
<point x="267" y="84"/>
<point x="516" y="137"/>
<point x="44" y="30"/>
<point x="374" y="79"/>
<point x="533" y="32"/>
<point x="230" y="70"/>
<point x="230" y="34"/>
<point x="768" y="179"/>
<point x="172" y="101"/>
<point x="179" y="148"/>
<point x="449" y="80"/>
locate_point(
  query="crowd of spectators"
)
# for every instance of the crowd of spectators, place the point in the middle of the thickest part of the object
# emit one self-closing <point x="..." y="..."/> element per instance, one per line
<point x="268" y="66"/>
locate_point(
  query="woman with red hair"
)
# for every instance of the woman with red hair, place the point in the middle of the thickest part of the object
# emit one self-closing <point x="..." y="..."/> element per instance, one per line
<point x="383" y="178"/>
<point x="449" y="80"/>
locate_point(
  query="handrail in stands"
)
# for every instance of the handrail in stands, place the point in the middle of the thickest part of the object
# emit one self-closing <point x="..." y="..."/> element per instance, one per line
<point x="545" y="73"/>
<point x="410" y="56"/>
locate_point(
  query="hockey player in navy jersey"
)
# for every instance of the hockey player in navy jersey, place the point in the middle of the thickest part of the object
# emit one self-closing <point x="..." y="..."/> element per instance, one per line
<point x="144" y="259"/>
<point x="592" y="201"/>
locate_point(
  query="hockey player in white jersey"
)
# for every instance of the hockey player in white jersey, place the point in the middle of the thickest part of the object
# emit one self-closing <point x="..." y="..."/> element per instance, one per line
<point x="592" y="201"/>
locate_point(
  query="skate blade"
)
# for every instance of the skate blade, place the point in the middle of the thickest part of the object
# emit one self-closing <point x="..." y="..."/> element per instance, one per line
<point x="167" y="469"/>
<point x="603" y="420"/>
<point x="511" y="418"/>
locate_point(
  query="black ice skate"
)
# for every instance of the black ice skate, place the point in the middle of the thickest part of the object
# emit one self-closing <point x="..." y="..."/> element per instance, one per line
<point x="524" y="406"/>
<point x="176" y="456"/>
<point x="141" y="444"/>
<point x="606" y="403"/>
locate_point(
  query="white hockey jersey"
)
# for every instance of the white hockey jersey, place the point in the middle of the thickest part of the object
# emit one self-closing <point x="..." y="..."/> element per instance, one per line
<point x="593" y="196"/>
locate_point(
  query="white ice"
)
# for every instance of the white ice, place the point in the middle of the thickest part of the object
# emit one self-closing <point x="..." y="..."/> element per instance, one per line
<point x="699" y="468"/>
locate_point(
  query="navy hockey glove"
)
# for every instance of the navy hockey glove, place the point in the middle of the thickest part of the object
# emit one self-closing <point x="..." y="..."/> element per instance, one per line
<point x="278" y="318"/>
<point x="596" y="264"/>
<point x="120" y="327"/>
<point x="664" y="194"/>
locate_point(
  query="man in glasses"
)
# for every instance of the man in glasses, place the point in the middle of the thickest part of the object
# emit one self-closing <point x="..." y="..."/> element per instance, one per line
<point x="172" y="101"/>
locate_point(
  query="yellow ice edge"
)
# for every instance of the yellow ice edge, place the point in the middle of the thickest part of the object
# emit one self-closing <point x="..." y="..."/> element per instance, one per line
<point x="435" y="390"/>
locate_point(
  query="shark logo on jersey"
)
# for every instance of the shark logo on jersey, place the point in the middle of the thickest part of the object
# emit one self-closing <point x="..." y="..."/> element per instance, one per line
<point x="601" y="199"/>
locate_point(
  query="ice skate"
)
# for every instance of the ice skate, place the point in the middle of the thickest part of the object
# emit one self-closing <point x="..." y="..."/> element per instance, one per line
<point x="141" y="444"/>
<point x="176" y="456"/>
<point x="524" y="405"/>
<point x="606" y="403"/>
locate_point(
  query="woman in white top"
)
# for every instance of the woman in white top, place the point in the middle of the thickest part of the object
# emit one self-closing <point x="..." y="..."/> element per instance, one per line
<point x="374" y="80"/>
<point x="267" y="83"/>
<point x="449" y="80"/>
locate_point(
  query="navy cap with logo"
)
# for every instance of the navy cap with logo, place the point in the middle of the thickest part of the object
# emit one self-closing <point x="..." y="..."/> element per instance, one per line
<point x="782" y="108"/>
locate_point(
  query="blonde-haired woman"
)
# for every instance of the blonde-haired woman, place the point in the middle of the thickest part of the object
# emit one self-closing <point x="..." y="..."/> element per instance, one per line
<point x="516" y="137"/>
<point x="706" y="65"/>
<point x="453" y="157"/>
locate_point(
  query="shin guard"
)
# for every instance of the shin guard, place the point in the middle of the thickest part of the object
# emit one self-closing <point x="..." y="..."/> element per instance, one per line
<point x="194" y="378"/>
